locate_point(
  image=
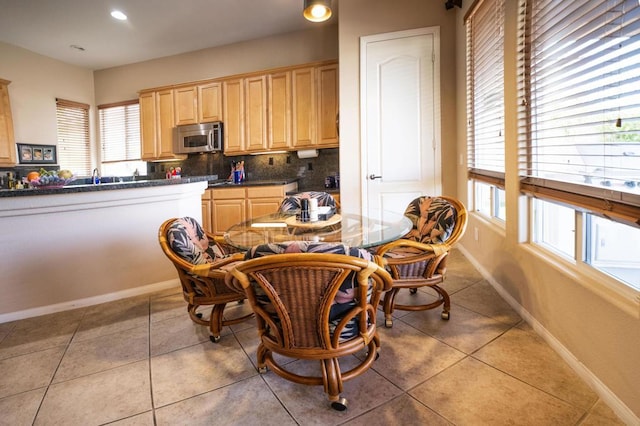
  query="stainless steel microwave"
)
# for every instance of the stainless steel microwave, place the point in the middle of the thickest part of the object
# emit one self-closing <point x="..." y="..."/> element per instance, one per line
<point x="195" y="138"/>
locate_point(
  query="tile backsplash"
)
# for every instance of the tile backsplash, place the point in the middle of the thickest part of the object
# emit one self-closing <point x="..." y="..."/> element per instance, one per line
<point x="310" y="171"/>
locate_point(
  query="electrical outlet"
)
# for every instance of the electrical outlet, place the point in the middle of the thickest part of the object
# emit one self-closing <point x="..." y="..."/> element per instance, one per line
<point x="475" y="233"/>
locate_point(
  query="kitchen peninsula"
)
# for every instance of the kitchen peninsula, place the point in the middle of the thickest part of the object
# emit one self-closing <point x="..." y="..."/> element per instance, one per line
<point x="86" y="244"/>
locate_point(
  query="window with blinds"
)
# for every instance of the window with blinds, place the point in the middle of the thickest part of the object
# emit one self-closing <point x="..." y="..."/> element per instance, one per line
<point x="579" y="118"/>
<point x="485" y="91"/>
<point x="120" y="131"/>
<point x="74" y="151"/>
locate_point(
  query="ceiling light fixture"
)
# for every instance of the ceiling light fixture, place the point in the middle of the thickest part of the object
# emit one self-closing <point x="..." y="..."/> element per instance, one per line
<point x="317" y="10"/>
<point x="119" y="15"/>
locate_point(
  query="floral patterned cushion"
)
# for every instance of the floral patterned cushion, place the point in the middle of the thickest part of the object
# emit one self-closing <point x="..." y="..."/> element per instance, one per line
<point x="188" y="240"/>
<point x="292" y="204"/>
<point x="344" y="299"/>
<point x="433" y="220"/>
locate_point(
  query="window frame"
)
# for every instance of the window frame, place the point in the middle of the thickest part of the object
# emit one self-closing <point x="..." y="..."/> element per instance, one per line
<point x="72" y="121"/>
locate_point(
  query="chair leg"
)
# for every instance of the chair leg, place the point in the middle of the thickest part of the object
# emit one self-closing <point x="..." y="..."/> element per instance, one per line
<point x="388" y="304"/>
<point x="196" y="316"/>
<point x="446" y="305"/>
<point x="215" y="322"/>
<point x="332" y="378"/>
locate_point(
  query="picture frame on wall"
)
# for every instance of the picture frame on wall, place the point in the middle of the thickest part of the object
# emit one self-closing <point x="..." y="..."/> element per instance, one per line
<point x="37" y="154"/>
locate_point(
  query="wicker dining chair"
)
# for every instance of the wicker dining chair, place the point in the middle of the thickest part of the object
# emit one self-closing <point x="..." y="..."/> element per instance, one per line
<point x="202" y="264"/>
<point x="313" y="301"/>
<point x="419" y="259"/>
<point x="291" y="204"/>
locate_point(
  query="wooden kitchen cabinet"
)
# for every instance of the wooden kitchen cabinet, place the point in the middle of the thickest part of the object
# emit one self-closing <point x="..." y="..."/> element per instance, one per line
<point x="7" y="139"/>
<point x="233" y="111"/>
<point x="228" y="208"/>
<point x="304" y="107"/>
<point x="328" y="106"/>
<point x="255" y="130"/>
<point x="207" y="208"/>
<point x="210" y="102"/>
<point x="279" y="106"/>
<point x="225" y="207"/>
<point x="156" y="125"/>
<point x="186" y="105"/>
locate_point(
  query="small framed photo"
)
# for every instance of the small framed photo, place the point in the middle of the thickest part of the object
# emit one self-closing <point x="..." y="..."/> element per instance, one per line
<point x="37" y="154"/>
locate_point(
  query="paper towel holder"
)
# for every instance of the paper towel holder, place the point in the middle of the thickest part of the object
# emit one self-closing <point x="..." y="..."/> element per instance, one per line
<point x="308" y="153"/>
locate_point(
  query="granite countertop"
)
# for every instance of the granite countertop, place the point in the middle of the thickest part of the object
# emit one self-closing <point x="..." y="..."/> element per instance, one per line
<point x="214" y="182"/>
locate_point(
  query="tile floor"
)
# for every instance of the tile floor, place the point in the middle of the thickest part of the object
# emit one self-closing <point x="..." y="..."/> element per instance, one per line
<point x="141" y="361"/>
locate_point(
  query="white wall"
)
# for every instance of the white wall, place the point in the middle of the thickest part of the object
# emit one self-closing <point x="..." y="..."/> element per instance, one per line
<point x="122" y="83"/>
<point x="36" y="82"/>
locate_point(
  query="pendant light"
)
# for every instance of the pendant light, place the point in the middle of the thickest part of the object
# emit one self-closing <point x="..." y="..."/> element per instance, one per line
<point x="317" y="10"/>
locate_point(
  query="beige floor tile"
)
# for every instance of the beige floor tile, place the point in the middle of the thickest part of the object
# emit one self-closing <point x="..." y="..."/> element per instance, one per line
<point x="403" y="410"/>
<point x="48" y="332"/>
<point x="253" y="404"/>
<point x="198" y="369"/>
<point x="309" y="405"/>
<point x="473" y="393"/>
<point x="103" y="353"/>
<point x="408" y="357"/>
<point x="98" y="398"/>
<point x="249" y="341"/>
<point x="166" y="307"/>
<point x="600" y="415"/>
<point x="526" y="356"/>
<point x="28" y="372"/>
<point x="177" y="333"/>
<point x="465" y="330"/>
<point x="20" y="409"/>
<point x="483" y="299"/>
<point x="167" y="292"/>
<point x="144" y="419"/>
<point x="113" y="317"/>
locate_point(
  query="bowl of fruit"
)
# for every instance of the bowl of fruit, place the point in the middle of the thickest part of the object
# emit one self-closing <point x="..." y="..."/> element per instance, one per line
<point x="50" y="178"/>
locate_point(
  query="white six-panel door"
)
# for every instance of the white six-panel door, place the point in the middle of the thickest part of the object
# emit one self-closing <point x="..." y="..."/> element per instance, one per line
<point x="400" y="118"/>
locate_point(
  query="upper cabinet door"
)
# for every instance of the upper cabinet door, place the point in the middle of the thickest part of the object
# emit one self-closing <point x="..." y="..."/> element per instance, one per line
<point x="256" y="113"/>
<point x="279" y="86"/>
<point x="328" y="106"/>
<point x="233" y="111"/>
<point x="186" y="105"/>
<point x="148" y="127"/>
<point x="166" y="123"/>
<point x="304" y="107"/>
<point x="210" y="102"/>
<point x="7" y="139"/>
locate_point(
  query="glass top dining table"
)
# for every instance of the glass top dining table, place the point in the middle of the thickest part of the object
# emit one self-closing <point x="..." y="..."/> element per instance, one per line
<point x="355" y="230"/>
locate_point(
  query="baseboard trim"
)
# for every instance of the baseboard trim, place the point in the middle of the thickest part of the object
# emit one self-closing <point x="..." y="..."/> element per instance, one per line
<point x="89" y="301"/>
<point x="607" y="396"/>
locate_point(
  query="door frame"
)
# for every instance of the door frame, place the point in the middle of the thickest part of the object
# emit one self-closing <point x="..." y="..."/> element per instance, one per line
<point x="437" y="133"/>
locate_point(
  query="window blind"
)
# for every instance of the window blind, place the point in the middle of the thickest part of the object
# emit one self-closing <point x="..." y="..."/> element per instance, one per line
<point x="579" y="123"/>
<point x="485" y="91"/>
<point x="74" y="151"/>
<point x="120" y="131"/>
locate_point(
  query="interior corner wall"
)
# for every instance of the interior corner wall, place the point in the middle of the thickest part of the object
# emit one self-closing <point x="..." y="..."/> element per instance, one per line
<point x="36" y="82"/>
<point x="358" y="18"/>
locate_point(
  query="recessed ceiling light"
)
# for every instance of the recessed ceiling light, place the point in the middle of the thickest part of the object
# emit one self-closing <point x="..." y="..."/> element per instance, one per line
<point x="119" y="15"/>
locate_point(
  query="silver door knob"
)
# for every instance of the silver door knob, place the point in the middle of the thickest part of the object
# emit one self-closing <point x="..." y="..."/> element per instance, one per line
<point x="373" y="177"/>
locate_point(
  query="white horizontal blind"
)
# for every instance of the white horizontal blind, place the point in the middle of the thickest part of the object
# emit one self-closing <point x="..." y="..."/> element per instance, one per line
<point x="74" y="151"/>
<point x="485" y="91"/>
<point x="580" y="118"/>
<point x="120" y="131"/>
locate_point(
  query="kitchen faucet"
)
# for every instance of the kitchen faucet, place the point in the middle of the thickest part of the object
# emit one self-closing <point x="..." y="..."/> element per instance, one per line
<point x="95" y="176"/>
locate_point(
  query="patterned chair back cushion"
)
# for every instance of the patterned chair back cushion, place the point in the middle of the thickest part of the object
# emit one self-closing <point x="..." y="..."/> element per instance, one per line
<point x="433" y="220"/>
<point x="188" y="240"/>
<point x="291" y="204"/>
<point x="344" y="299"/>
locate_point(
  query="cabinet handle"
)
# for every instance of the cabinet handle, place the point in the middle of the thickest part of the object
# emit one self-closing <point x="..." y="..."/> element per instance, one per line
<point x="374" y="177"/>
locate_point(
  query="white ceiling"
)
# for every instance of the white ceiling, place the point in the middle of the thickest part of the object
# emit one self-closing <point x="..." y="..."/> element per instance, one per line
<point x="155" y="28"/>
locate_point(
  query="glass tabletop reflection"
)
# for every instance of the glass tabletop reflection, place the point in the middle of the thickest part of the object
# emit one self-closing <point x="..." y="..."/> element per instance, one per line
<point x="355" y="230"/>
